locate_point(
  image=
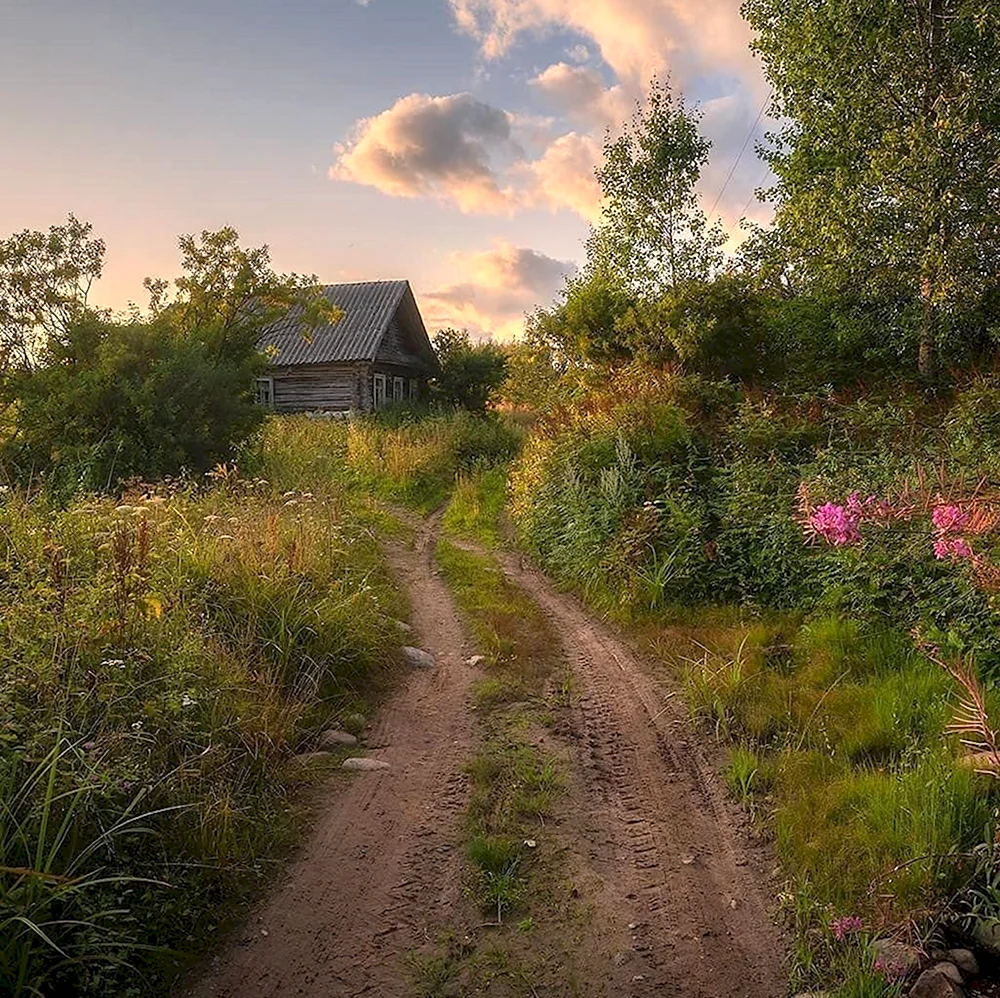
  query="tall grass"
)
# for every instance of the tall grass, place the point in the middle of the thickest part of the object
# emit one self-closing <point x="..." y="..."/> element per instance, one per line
<point x="164" y="658"/>
<point x="408" y="459"/>
<point x="840" y="745"/>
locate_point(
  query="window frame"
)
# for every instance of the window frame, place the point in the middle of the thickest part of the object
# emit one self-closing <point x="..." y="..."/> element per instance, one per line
<point x="414" y="389"/>
<point x="378" y="380"/>
<point x="264" y="398"/>
<point x="398" y="386"/>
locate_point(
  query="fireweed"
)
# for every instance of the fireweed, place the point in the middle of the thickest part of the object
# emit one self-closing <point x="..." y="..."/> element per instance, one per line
<point x="840" y="524"/>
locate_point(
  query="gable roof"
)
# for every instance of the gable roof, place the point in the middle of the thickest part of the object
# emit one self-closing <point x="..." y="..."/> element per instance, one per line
<point x="369" y="307"/>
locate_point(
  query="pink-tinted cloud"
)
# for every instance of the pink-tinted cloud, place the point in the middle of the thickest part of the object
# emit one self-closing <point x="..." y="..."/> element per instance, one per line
<point x="564" y="177"/>
<point x="636" y="38"/>
<point x="581" y="93"/>
<point x="493" y="289"/>
<point x="453" y="148"/>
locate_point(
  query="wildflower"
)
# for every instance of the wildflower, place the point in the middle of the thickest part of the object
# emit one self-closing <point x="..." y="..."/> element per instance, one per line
<point x="891" y="970"/>
<point x="137" y="725"/>
<point x="846" y="925"/>
<point x="89" y="746"/>
<point x="838" y="525"/>
<point x="116" y="663"/>
<point x="956" y="548"/>
<point x="949" y="519"/>
<point x="188" y="701"/>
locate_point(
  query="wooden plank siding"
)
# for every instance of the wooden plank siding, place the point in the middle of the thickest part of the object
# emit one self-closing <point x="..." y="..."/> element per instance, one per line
<point x="332" y="387"/>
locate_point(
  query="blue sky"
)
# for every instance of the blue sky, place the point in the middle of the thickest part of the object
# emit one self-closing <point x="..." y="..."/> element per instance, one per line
<point x="450" y="142"/>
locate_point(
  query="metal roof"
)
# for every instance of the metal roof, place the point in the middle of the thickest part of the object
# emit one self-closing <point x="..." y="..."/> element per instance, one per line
<point x="368" y="309"/>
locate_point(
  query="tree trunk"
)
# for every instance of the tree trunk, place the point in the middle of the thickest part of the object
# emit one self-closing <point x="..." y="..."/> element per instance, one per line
<point x="927" y="350"/>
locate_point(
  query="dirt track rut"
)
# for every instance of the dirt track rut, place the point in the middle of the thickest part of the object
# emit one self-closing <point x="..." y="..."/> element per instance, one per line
<point x="676" y="890"/>
<point x="672" y="855"/>
<point x="381" y="871"/>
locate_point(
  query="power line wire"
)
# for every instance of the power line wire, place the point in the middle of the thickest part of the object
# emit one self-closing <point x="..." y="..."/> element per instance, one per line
<point x="739" y="157"/>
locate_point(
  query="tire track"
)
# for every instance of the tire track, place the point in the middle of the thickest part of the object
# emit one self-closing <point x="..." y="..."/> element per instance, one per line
<point x="382" y="869"/>
<point x="669" y="850"/>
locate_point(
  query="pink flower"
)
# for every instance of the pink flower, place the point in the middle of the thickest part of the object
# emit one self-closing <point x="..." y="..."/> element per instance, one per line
<point x="891" y="970"/>
<point x="949" y="519"/>
<point x="846" y="925"/>
<point x="838" y="525"/>
<point x="956" y="548"/>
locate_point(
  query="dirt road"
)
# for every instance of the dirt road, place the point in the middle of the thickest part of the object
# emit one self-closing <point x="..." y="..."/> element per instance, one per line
<point x="381" y="870"/>
<point x="677" y="898"/>
<point x="673" y="858"/>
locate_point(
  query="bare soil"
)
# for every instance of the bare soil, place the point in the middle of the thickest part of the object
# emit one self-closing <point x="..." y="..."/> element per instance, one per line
<point x="382" y="869"/>
<point x="676" y="895"/>
<point x="683" y="897"/>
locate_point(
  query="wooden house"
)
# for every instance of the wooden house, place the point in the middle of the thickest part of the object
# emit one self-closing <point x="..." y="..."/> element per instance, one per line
<point x="376" y="353"/>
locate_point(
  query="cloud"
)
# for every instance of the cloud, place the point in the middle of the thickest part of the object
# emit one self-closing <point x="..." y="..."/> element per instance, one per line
<point x="564" y="177"/>
<point x="580" y="92"/>
<point x="453" y="148"/>
<point x="493" y="289"/>
<point x="636" y="38"/>
<point x="702" y="44"/>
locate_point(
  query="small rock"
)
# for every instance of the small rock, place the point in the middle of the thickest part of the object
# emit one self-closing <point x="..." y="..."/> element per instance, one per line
<point x="965" y="960"/>
<point x="949" y="970"/>
<point x="334" y="738"/>
<point x="476" y="661"/>
<point x="906" y="961"/>
<point x="404" y="627"/>
<point x="364" y="765"/>
<point x="418" y="658"/>
<point x="936" y="982"/>
<point x="264" y="932"/>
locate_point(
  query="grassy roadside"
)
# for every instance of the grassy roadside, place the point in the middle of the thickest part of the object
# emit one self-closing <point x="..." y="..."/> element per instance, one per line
<point x="516" y="879"/>
<point x="476" y="506"/>
<point x="837" y="747"/>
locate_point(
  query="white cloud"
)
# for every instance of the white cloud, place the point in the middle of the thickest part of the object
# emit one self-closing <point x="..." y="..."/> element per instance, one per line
<point x="636" y="38"/>
<point x="564" y="177"/>
<point x="493" y="289"/>
<point x="453" y="148"/>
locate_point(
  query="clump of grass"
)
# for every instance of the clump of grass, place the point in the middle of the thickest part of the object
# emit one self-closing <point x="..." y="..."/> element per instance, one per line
<point x="476" y="506"/>
<point x="509" y="628"/>
<point x="165" y="656"/>
<point x="843" y="736"/>
<point x="500" y="884"/>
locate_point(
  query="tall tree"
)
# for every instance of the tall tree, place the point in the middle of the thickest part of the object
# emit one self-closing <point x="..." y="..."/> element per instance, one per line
<point x="45" y="278"/>
<point x="654" y="235"/>
<point x="888" y="164"/>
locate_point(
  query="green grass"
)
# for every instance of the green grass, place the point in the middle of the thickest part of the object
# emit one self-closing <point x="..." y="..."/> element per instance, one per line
<point x="839" y="746"/>
<point x="515" y="785"/>
<point x="476" y="506"/>
<point x="164" y="657"/>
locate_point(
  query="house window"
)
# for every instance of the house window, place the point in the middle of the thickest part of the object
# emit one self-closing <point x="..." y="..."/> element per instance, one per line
<point x="414" y="390"/>
<point x="378" y="390"/>
<point x="264" y="392"/>
<point x="397" y="389"/>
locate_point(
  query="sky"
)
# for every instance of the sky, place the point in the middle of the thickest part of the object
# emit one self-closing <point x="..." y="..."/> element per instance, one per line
<point x="448" y="142"/>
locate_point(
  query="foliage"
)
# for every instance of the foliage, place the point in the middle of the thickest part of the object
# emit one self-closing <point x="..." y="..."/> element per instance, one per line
<point x="111" y="399"/>
<point x="45" y="279"/>
<point x="886" y="154"/>
<point x="164" y="658"/>
<point x="470" y="372"/>
<point x="653" y="236"/>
